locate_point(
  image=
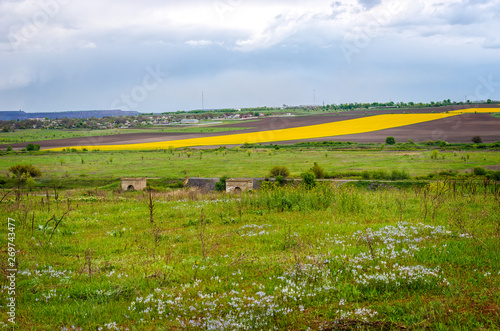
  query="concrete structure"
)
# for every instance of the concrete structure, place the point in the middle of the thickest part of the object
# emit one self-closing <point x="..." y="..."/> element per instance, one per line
<point x="206" y="184"/>
<point x="131" y="184"/>
<point x="238" y="185"/>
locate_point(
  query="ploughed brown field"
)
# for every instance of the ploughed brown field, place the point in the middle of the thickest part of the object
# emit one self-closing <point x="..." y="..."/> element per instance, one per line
<point x="456" y="129"/>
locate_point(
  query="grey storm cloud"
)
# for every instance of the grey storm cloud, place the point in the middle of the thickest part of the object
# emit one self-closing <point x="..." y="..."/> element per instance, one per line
<point x="63" y="55"/>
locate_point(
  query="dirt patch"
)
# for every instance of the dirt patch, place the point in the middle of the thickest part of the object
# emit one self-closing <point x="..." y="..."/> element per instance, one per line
<point x="494" y="167"/>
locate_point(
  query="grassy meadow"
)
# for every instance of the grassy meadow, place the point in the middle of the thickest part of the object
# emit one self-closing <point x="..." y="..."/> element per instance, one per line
<point x="331" y="257"/>
<point x="242" y="162"/>
<point x="335" y="256"/>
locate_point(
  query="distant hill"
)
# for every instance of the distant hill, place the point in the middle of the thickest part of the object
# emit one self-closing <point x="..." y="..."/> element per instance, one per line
<point x="21" y="115"/>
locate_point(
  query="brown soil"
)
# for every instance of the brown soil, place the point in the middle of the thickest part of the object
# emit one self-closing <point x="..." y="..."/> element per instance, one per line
<point x="456" y="129"/>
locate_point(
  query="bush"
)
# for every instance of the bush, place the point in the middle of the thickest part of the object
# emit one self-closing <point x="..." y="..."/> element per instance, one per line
<point x="477" y="140"/>
<point x="9" y="148"/>
<point x="30" y="147"/>
<point x="279" y="171"/>
<point x="397" y="174"/>
<point x="495" y="175"/>
<point x="380" y="174"/>
<point x="280" y="180"/>
<point x="366" y="174"/>
<point x="308" y="179"/>
<point x="390" y="140"/>
<point x="221" y="184"/>
<point x="479" y="171"/>
<point x="435" y="154"/>
<point x="318" y="171"/>
<point x="25" y="170"/>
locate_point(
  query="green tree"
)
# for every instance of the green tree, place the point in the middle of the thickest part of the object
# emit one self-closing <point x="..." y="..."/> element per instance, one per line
<point x="9" y="148"/>
<point x="390" y="140"/>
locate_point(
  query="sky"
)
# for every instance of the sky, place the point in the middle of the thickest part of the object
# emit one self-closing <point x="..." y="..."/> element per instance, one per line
<point x="163" y="55"/>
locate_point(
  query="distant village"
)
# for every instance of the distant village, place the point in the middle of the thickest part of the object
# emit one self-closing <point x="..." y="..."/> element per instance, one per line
<point x="136" y="121"/>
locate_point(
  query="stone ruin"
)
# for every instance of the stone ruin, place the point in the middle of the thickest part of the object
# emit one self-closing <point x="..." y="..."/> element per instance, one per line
<point x="133" y="184"/>
<point x="238" y="185"/>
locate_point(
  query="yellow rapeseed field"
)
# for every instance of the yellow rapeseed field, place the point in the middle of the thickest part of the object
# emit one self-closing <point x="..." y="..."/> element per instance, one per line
<point x="476" y="110"/>
<point x="361" y="125"/>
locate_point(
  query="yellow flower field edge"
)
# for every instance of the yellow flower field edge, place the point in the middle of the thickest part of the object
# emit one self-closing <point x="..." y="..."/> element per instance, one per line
<point x="360" y="125"/>
<point x="475" y="110"/>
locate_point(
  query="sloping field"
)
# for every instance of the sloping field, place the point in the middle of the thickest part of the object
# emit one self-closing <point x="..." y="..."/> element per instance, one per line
<point x="330" y="129"/>
<point x="360" y="125"/>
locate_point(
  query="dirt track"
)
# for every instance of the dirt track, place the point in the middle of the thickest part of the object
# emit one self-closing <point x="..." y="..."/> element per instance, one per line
<point x="456" y="129"/>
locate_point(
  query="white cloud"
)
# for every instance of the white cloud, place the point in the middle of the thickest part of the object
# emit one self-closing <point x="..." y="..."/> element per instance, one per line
<point x="202" y="42"/>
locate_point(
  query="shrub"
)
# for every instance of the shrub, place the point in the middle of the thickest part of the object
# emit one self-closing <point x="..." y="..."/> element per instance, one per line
<point x="477" y="140"/>
<point x="429" y="142"/>
<point x="308" y="179"/>
<point x="318" y="171"/>
<point x="25" y="170"/>
<point x="495" y="175"/>
<point x="380" y="174"/>
<point x="279" y="171"/>
<point x="30" y="147"/>
<point x="397" y="174"/>
<point x="280" y="180"/>
<point x="435" y="154"/>
<point x="479" y="171"/>
<point x="390" y="140"/>
<point x="221" y="184"/>
<point x="366" y="174"/>
<point x="9" y="148"/>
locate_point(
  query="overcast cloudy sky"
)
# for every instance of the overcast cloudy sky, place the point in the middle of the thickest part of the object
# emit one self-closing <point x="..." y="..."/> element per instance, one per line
<point x="159" y="55"/>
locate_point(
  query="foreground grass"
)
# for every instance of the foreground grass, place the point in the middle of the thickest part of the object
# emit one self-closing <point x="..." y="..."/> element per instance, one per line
<point x="243" y="162"/>
<point x="286" y="259"/>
